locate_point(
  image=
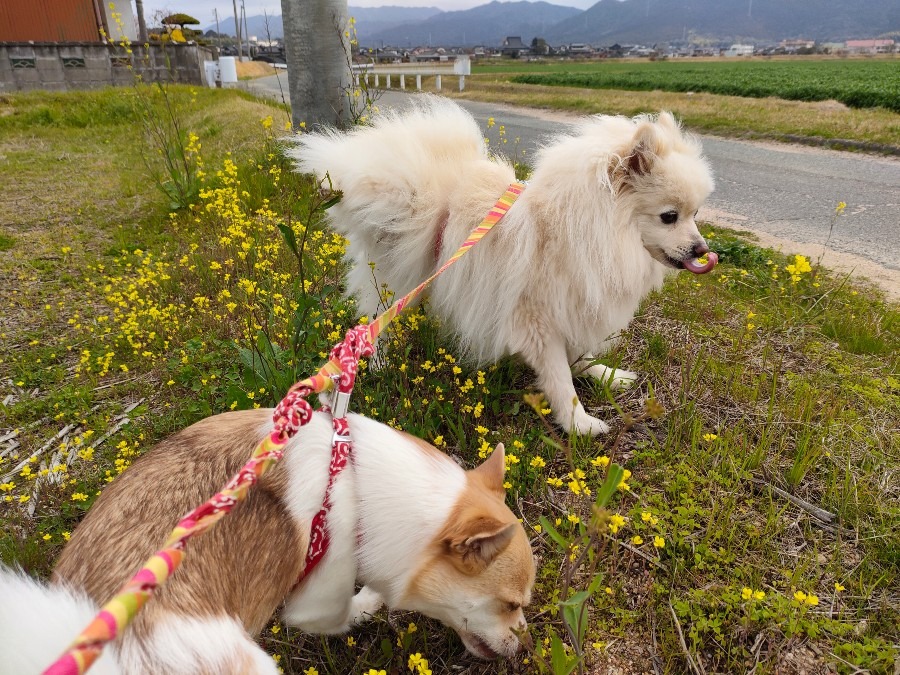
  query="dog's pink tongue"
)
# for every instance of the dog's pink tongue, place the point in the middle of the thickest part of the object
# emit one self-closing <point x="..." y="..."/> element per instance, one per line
<point x="697" y="268"/>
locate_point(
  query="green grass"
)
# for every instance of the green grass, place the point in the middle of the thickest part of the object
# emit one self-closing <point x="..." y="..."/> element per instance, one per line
<point x="772" y="396"/>
<point x="856" y="83"/>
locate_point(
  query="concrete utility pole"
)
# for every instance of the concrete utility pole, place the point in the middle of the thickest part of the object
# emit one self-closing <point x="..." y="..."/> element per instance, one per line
<point x="317" y="52"/>
<point x="237" y="28"/>
<point x="246" y="33"/>
<point x="142" y="25"/>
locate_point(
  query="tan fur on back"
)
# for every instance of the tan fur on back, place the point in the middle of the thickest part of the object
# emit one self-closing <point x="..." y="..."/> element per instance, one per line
<point x="242" y="567"/>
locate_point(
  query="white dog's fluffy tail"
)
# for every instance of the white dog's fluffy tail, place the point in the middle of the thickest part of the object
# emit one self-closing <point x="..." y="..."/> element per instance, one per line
<point x="403" y="149"/>
<point x="401" y="178"/>
<point x="38" y="622"/>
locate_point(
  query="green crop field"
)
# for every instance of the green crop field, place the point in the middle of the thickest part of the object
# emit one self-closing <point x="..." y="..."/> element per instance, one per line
<point x="856" y="83"/>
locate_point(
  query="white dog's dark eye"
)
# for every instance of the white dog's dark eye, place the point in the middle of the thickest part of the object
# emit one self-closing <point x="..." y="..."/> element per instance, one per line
<point x="669" y="217"/>
<point x="513" y="606"/>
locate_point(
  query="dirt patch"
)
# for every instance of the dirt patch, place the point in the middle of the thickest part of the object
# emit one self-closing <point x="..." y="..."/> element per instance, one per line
<point x="252" y="69"/>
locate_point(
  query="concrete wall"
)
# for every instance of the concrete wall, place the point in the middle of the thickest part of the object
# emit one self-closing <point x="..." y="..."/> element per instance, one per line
<point x="82" y="65"/>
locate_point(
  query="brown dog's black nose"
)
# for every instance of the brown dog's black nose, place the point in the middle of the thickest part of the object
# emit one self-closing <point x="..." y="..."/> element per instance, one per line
<point x="701" y="249"/>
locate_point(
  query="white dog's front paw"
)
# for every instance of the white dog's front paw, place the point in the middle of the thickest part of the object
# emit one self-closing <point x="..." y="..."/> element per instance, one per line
<point x="365" y="604"/>
<point x="584" y="424"/>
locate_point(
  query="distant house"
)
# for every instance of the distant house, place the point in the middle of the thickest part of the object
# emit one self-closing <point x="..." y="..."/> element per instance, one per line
<point x="582" y="48"/>
<point x="794" y="46"/>
<point x="833" y="48"/>
<point x="870" y="46"/>
<point x="739" y="50"/>
<point x="514" y="47"/>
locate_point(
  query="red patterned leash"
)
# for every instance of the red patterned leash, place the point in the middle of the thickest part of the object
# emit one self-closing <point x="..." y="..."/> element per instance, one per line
<point x="291" y="413"/>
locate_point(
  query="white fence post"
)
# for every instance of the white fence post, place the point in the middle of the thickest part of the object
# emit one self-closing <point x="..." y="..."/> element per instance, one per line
<point x="402" y="81"/>
<point x="462" y="82"/>
<point x="388" y="81"/>
<point x="437" y="82"/>
<point x="419" y="82"/>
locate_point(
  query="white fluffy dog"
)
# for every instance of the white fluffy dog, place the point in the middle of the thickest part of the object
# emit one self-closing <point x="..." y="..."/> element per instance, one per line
<point x="608" y="210"/>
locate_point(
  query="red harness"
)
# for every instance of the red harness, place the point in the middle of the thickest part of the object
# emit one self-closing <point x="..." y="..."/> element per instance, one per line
<point x="356" y="345"/>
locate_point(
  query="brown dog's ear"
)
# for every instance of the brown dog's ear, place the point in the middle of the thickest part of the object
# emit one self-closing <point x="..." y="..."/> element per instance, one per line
<point x="474" y="550"/>
<point x="491" y="471"/>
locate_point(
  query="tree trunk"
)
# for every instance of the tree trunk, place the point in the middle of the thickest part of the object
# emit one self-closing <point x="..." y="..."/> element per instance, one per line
<point x="318" y="59"/>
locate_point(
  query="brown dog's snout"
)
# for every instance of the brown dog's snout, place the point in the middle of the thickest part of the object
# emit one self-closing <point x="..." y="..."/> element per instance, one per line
<point x="524" y="637"/>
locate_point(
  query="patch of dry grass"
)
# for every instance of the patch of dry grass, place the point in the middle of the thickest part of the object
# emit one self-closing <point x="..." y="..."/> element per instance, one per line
<point x="250" y="70"/>
<point x="712" y="113"/>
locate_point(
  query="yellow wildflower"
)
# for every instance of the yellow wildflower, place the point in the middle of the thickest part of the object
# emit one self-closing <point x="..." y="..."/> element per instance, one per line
<point x="615" y="522"/>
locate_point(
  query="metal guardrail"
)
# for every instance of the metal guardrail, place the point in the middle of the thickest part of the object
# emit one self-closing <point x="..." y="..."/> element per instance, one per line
<point x="460" y="67"/>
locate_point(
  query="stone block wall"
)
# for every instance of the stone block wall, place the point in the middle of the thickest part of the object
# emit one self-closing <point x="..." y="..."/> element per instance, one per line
<point x="82" y="65"/>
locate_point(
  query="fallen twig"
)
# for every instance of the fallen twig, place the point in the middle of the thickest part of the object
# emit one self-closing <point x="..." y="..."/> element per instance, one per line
<point x="819" y="513"/>
<point x="653" y="561"/>
<point x="37" y="453"/>
<point x="695" y="668"/>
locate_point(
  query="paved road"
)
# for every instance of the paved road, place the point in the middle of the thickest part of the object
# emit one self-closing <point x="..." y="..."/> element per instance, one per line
<point x="784" y="193"/>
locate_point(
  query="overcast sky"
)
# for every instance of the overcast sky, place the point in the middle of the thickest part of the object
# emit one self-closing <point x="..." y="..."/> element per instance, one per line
<point x="203" y="9"/>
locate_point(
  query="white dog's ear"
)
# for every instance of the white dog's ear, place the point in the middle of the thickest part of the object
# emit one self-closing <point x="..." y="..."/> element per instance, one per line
<point x="644" y="150"/>
<point x="479" y="543"/>
<point x="492" y="470"/>
<point x="667" y="120"/>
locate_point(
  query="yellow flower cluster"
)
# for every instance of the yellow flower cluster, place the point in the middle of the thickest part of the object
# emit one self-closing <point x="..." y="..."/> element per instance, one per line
<point x="808" y="599"/>
<point x="749" y="594"/>
<point x="418" y="664"/>
<point x="798" y="268"/>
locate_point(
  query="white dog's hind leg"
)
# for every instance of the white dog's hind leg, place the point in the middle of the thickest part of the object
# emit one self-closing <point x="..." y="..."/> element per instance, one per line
<point x="551" y="364"/>
<point x="616" y="377"/>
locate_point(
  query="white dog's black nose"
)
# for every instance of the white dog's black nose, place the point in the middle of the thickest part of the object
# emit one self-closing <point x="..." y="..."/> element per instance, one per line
<point x="701" y="249"/>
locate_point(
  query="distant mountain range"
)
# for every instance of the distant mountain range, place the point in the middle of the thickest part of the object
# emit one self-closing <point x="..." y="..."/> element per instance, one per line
<point x="484" y="25"/>
<point x="608" y="22"/>
<point x="369" y="21"/>
<point x="653" y="21"/>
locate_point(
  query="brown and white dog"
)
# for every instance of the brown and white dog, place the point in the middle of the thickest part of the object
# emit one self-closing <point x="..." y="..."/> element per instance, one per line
<point x="407" y="523"/>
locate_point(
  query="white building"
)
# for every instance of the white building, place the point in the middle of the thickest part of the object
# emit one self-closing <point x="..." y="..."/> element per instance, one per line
<point x="739" y="50"/>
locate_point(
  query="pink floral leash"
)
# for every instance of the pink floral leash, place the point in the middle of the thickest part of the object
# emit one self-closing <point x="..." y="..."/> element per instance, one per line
<point x="291" y="413"/>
